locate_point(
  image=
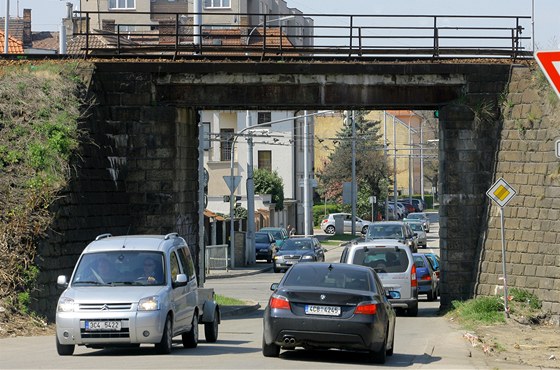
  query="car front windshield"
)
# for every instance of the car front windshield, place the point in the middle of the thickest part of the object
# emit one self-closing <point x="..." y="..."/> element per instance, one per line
<point x="416" y="227"/>
<point x="293" y="244"/>
<point x="261" y="238"/>
<point x="132" y="268"/>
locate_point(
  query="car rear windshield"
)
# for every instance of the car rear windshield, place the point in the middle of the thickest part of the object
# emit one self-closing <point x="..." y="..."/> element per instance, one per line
<point x="329" y="278"/>
<point x="383" y="260"/>
<point x="384" y="232"/>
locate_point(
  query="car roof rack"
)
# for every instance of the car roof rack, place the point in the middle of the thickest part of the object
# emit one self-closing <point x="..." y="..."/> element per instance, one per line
<point x="170" y="235"/>
<point x="103" y="236"/>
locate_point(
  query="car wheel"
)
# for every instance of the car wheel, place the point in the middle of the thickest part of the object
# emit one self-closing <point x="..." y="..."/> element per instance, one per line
<point x="413" y="311"/>
<point x="190" y="338"/>
<point x="64" y="349"/>
<point x="270" y="350"/>
<point x="379" y="357"/>
<point x="329" y="229"/>
<point x="164" y="346"/>
<point x="211" y="328"/>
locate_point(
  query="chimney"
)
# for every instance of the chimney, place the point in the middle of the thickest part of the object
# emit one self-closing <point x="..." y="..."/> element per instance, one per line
<point x="27" y="39"/>
<point x="69" y="9"/>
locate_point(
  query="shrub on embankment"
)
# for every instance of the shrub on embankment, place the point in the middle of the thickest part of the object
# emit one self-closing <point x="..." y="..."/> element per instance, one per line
<point x="40" y="107"/>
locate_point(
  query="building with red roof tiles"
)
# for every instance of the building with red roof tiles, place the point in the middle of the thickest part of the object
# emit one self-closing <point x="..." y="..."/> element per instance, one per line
<point x="14" y="46"/>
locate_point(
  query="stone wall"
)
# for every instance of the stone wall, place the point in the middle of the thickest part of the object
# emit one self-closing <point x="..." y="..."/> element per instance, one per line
<point x="137" y="172"/>
<point x="526" y="160"/>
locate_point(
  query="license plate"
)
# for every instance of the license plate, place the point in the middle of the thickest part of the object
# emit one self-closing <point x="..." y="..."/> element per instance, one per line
<point x="322" y="310"/>
<point x="103" y="325"/>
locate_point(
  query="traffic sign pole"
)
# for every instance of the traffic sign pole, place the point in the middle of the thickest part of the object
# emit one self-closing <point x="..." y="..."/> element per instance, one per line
<point x="506" y="308"/>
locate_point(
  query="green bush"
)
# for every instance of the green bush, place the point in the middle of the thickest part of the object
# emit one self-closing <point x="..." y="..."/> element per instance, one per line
<point x="481" y="310"/>
<point x="520" y="295"/>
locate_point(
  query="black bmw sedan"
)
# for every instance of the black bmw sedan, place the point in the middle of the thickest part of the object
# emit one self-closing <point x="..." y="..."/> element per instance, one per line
<point x="329" y="305"/>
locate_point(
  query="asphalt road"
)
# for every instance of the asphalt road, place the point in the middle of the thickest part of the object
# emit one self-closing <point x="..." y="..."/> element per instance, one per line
<point x="424" y="342"/>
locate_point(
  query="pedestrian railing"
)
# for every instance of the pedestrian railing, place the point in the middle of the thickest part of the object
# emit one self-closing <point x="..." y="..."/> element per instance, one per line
<point x="216" y="257"/>
<point x="300" y="36"/>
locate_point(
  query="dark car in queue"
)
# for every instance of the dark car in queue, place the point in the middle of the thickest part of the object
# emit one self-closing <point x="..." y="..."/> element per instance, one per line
<point x="264" y="246"/>
<point x="426" y="276"/>
<point x="295" y="250"/>
<point x="329" y="305"/>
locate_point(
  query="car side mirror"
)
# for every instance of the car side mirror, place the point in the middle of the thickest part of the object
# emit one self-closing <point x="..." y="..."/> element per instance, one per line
<point x="62" y="282"/>
<point x="274" y="286"/>
<point x="180" y="280"/>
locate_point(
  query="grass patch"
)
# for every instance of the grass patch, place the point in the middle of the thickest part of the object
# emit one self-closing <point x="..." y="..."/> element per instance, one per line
<point x="336" y="240"/>
<point x="490" y="310"/>
<point x="228" y="301"/>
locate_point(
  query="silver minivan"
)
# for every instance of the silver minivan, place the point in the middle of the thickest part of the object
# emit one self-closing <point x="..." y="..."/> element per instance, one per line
<point x="395" y="267"/>
<point x="129" y="290"/>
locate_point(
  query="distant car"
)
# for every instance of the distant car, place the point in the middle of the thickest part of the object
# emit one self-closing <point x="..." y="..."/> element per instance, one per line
<point x="394" y="264"/>
<point x="427" y="279"/>
<point x="328" y="223"/>
<point x="418" y="228"/>
<point x="278" y="233"/>
<point x="436" y="264"/>
<point x="419" y="216"/>
<point x="264" y="246"/>
<point x="416" y="203"/>
<point x="296" y="250"/>
<point x="397" y="230"/>
<point x="329" y="305"/>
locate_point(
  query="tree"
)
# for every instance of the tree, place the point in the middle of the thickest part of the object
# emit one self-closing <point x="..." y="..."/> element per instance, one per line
<point x="372" y="171"/>
<point x="267" y="182"/>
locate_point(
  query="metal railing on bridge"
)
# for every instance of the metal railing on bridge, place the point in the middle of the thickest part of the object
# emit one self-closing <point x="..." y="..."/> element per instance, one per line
<point x="299" y="36"/>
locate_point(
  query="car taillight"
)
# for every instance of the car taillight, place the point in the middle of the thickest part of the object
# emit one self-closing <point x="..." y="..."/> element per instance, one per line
<point x="426" y="277"/>
<point x="324" y="221"/>
<point x="437" y="274"/>
<point x="366" y="309"/>
<point x="413" y="281"/>
<point x="279" y="302"/>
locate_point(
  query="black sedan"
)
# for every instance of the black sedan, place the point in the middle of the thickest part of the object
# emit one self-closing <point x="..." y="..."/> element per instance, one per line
<point x="294" y="250"/>
<point x="329" y="305"/>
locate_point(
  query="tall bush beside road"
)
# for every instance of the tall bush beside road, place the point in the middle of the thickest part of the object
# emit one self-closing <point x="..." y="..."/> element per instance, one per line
<point x="40" y="107"/>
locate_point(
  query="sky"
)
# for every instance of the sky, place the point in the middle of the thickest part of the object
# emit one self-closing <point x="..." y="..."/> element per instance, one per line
<point x="47" y="14"/>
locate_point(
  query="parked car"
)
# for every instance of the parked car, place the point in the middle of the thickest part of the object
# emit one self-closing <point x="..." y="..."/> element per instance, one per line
<point x="132" y="290"/>
<point x="417" y="227"/>
<point x="419" y="216"/>
<point x="329" y="305"/>
<point x="436" y="264"/>
<point x="416" y="203"/>
<point x="295" y="250"/>
<point x="328" y="224"/>
<point x="278" y="233"/>
<point x="427" y="279"/>
<point x="397" y="230"/>
<point x="394" y="264"/>
<point x="264" y="246"/>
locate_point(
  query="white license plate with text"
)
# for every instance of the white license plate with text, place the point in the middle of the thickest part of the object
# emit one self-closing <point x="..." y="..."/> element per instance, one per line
<point x="112" y="325"/>
<point x="322" y="310"/>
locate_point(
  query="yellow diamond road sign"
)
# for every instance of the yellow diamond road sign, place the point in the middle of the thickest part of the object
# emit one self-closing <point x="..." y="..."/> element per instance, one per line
<point x="501" y="192"/>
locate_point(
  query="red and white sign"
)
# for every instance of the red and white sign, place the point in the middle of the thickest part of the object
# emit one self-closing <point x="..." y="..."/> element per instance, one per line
<point x="550" y="64"/>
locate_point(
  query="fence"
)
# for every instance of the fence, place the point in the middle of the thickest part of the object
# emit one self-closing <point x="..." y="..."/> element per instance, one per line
<point x="222" y="35"/>
<point x="217" y="257"/>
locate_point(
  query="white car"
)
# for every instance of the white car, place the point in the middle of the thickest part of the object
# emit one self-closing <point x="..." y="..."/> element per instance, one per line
<point x="132" y="290"/>
<point x="328" y="224"/>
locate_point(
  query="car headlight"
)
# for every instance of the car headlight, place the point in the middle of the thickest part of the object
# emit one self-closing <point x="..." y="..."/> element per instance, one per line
<point x="148" y="304"/>
<point x="65" y="305"/>
<point x="307" y="257"/>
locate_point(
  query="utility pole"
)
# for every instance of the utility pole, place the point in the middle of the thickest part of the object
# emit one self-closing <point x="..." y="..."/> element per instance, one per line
<point x="306" y="212"/>
<point x="6" y="28"/>
<point x="354" y="187"/>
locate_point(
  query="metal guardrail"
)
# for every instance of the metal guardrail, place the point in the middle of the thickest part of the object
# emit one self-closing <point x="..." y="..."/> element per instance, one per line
<point x="320" y="36"/>
<point x="217" y="257"/>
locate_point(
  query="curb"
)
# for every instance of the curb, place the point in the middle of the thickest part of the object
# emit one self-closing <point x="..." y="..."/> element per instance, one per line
<point x="236" y="273"/>
<point x="232" y="311"/>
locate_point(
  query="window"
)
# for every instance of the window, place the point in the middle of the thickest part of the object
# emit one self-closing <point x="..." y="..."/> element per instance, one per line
<point x="174" y="264"/>
<point x="217" y="4"/>
<point x="265" y="160"/>
<point x="206" y="135"/>
<point x="226" y="141"/>
<point x="187" y="262"/>
<point x="264" y="117"/>
<point x="122" y="4"/>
